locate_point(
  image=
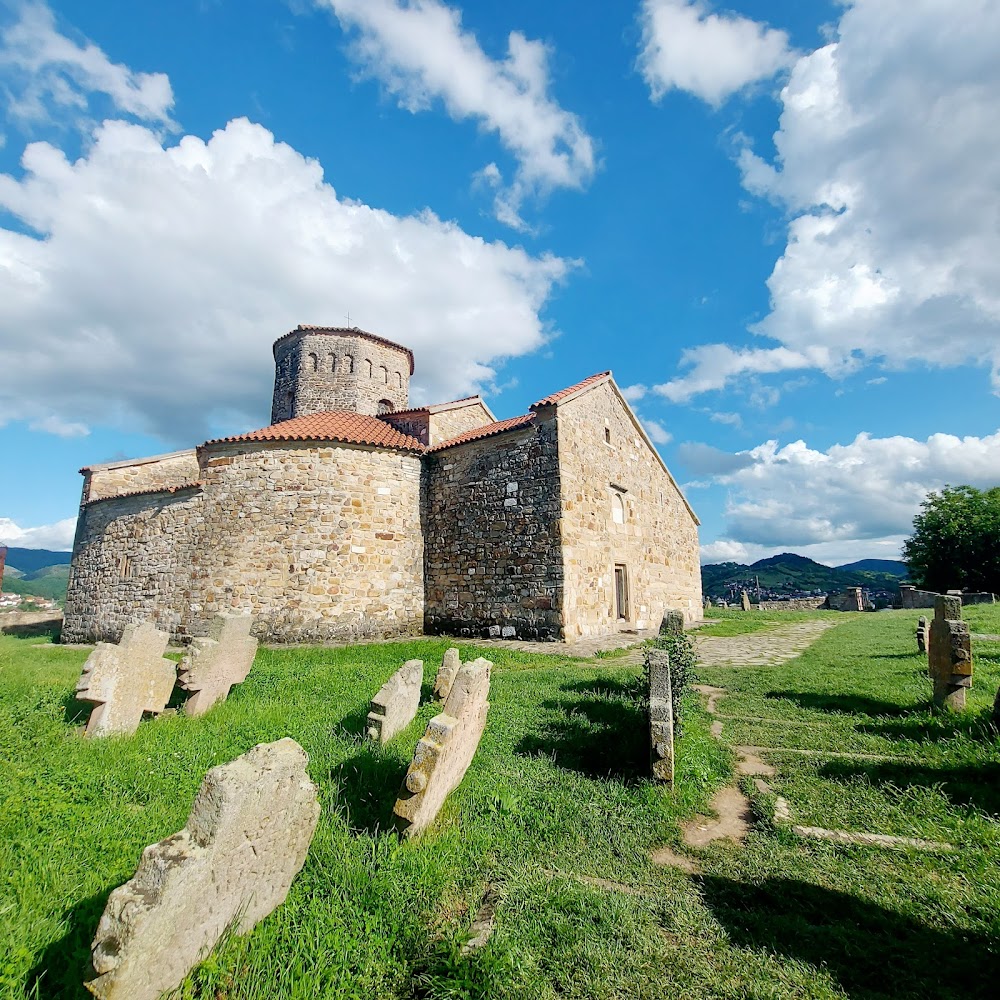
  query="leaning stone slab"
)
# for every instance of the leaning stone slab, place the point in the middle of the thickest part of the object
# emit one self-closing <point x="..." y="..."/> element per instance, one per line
<point x="127" y="679"/>
<point x="673" y="622"/>
<point x="215" y="663"/>
<point x="446" y="675"/>
<point x="949" y="653"/>
<point x="661" y="716"/>
<point x="245" y="841"/>
<point x="396" y="703"/>
<point x="444" y="753"/>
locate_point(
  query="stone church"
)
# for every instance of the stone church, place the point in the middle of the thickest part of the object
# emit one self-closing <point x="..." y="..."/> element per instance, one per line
<point x="352" y="516"/>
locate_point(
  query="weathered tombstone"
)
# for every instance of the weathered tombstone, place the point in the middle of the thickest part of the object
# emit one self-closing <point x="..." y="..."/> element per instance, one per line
<point x="214" y="664"/>
<point x="673" y="622"/>
<point x="444" y="753"/>
<point x="661" y="715"/>
<point x="245" y="841"/>
<point x="396" y="703"/>
<point x="446" y="675"/>
<point x="126" y="680"/>
<point x="745" y="601"/>
<point x="949" y="653"/>
<point x="922" y="634"/>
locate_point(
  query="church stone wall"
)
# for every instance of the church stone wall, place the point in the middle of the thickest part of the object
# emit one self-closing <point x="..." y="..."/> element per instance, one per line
<point x="606" y="466"/>
<point x="447" y="424"/>
<point x="319" y="541"/>
<point x="157" y="473"/>
<point x="491" y="536"/>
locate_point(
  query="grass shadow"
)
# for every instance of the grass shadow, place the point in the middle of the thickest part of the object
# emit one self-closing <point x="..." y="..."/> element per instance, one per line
<point x="939" y="727"/>
<point x="971" y="785"/>
<point x="870" y="950"/>
<point x="367" y="786"/>
<point x="842" y="704"/>
<point x="35" y="630"/>
<point x="76" y="712"/>
<point x="64" y="965"/>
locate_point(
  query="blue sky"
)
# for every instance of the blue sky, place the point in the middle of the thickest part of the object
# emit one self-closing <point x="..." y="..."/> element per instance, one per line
<point x="776" y="222"/>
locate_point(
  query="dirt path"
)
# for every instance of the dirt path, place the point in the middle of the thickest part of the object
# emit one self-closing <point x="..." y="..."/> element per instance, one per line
<point x="766" y="648"/>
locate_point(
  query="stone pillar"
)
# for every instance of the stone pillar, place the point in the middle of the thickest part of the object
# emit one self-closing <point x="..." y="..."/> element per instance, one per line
<point x="661" y="716"/>
<point x="673" y="623"/>
<point x="922" y="634"/>
<point x="949" y="653"/>
<point x="745" y="601"/>
<point x="906" y="594"/>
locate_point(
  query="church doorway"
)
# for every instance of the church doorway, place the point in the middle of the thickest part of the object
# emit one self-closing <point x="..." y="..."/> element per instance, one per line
<point x="621" y="593"/>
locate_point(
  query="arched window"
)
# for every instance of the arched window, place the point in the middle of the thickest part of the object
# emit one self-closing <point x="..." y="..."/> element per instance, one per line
<point x="399" y="379"/>
<point x="617" y="508"/>
<point x="348" y="365"/>
<point x="368" y="368"/>
<point x="333" y="362"/>
<point x="385" y="374"/>
<point x="314" y="362"/>
<point x="385" y="406"/>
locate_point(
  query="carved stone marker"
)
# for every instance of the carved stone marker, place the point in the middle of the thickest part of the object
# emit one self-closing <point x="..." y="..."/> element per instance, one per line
<point x="126" y="680"/>
<point x="444" y="753"/>
<point x="673" y="622"/>
<point x="661" y="716"/>
<point x="245" y="841"/>
<point x="949" y="653"/>
<point x="214" y="664"/>
<point x="922" y="634"/>
<point x="396" y="703"/>
<point x="745" y="601"/>
<point x="446" y="675"/>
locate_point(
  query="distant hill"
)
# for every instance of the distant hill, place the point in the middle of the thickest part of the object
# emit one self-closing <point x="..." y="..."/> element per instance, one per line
<point x="789" y="573"/>
<point x="29" y="560"/>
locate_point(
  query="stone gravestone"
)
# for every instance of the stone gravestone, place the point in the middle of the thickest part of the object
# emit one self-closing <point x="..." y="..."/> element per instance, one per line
<point x="245" y="841"/>
<point x="126" y="680"/>
<point x="444" y="753"/>
<point x="446" y="675"/>
<point x="922" y="634"/>
<point x="661" y="715"/>
<point x="673" y="622"/>
<point x="745" y="601"/>
<point x="214" y="664"/>
<point x="396" y="703"/>
<point x="949" y="653"/>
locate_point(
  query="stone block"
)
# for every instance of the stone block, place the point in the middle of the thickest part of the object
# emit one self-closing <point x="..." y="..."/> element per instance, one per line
<point x="661" y="716"/>
<point x="673" y="622"/>
<point x="508" y="632"/>
<point x="126" y="680"/>
<point x="444" y="753"/>
<point x="446" y="675"/>
<point x="745" y="601"/>
<point x="215" y="663"/>
<point x="396" y="703"/>
<point x="949" y="653"/>
<point x="923" y="631"/>
<point x="245" y="841"/>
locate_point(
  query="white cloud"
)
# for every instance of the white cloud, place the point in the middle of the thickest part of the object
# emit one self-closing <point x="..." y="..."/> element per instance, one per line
<point x="45" y="73"/>
<point x="634" y="393"/>
<point x="150" y="282"/>
<point x="61" y="428"/>
<point x="58" y="536"/>
<point x="888" y="159"/>
<point x="658" y="434"/>
<point x="712" y="56"/>
<point x="732" y="419"/>
<point x="795" y="496"/>
<point x="420" y="52"/>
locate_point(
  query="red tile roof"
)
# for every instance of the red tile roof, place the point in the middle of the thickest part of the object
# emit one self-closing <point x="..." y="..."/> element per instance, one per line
<point x="332" y="425"/>
<point x="525" y="420"/>
<point x="558" y="397"/>
<point x="345" y="331"/>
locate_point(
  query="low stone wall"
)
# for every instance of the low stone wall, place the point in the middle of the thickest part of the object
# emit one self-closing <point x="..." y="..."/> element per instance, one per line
<point x="27" y="623"/>
<point x="795" y="604"/>
<point x="909" y="597"/>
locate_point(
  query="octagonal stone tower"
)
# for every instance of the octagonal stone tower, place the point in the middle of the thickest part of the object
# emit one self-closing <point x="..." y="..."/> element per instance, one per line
<point x="319" y="368"/>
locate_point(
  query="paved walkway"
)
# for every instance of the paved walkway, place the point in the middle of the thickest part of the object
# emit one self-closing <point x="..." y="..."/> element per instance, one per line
<point x="766" y="648"/>
<point x="580" y="649"/>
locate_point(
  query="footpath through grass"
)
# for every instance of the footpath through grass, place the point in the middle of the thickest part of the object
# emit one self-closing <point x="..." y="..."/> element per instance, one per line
<point x="554" y="821"/>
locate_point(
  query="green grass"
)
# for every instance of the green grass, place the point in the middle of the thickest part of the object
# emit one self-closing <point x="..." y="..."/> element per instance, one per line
<point x="555" y="793"/>
<point x="734" y="622"/>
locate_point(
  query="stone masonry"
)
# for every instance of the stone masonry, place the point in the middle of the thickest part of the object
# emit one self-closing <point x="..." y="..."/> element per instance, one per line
<point x="949" y="654"/>
<point x="661" y="716"/>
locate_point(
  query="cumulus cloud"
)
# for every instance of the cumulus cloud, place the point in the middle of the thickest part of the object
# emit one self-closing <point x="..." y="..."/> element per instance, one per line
<point x="888" y="161"/>
<point x="828" y="553"/>
<point x="712" y="56"/>
<point x="704" y="460"/>
<point x="863" y="492"/>
<point x="144" y="284"/>
<point x="44" y="74"/>
<point x="658" y="434"/>
<point x="58" y="536"/>
<point x="420" y="52"/>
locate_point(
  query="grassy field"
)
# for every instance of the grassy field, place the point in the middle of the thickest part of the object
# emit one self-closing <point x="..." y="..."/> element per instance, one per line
<point x="554" y="822"/>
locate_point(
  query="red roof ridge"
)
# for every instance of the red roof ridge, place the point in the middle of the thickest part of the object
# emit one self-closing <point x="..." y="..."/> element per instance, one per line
<point x="194" y="484"/>
<point x="331" y="425"/>
<point x="345" y="331"/>
<point x="497" y="427"/>
<point x="564" y="394"/>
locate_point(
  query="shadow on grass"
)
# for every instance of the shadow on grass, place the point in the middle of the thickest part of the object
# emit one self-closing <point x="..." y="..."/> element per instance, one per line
<point x="604" y="734"/>
<point x="870" y="950"/>
<point x="76" y="712"/>
<point x="65" y="964"/>
<point x="925" y="728"/>
<point x="35" y="630"/>
<point x="842" y="704"/>
<point x="975" y="785"/>
<point x="367" y="786"/>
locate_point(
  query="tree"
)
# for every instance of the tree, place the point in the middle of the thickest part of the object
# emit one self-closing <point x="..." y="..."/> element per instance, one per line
<point x="955" y="543"/>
